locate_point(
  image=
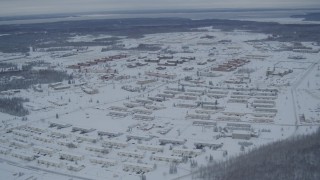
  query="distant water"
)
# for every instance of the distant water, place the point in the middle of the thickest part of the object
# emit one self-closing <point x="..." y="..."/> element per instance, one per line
<point x="256" y="15"/>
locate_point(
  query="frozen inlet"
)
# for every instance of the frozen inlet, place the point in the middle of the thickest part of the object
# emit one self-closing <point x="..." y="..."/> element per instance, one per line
<point x="171" y="141"/>
<point x="137" y="167"/>
<point x="167" y="158"/>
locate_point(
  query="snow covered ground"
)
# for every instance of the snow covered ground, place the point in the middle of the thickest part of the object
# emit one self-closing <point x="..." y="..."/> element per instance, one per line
<point x="218" y="94"/>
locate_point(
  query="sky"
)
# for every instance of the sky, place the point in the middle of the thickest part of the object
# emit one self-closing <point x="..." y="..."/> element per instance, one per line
<point x="30" y="7"/>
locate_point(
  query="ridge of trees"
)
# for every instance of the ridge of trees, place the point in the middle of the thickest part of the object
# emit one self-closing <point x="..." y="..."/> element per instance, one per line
<point x="297" y="158"/>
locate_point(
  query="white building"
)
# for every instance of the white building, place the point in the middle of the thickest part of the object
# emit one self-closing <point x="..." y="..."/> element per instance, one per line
<point x="198" y="116"/>
<point x="49" y="161"/>
<point x="75" y="167"/>
<point x="23" y="155"/>
<point x="186" y="152"/>
<point x="114" y="143"/>
<point x="152" y="148"/>
<point x="240" y="134"/>
<point x="19" y="144"/>
<point x="131" y="154"/>
<point x="87" y="138"/>
<point x="42" y="138"/>
<point x="43" y="150"/>
<point x="143" y="117"/>
<point x="161" y="157"/>
<point x="137" y="167"/>
<point x="98" y="149"/>
<point x="103" y="161"/>
<point x="204" y="123"/>
<point x="171" y="141"/>
<point x="20" y="133"/>
<point x="71" y="156"/>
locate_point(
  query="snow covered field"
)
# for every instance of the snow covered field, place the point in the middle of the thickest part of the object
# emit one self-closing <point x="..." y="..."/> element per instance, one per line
<point x="205" y="96"/>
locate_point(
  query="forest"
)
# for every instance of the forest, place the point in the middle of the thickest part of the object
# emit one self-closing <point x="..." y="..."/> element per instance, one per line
<point x="13" y="106"/>
<point x="297" y="158"/>
<point x="28" y="76"/>
<point x="20" y="38"/>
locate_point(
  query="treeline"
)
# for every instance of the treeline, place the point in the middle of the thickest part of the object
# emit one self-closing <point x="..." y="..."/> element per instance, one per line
<point x="31" y="77"/>
<point x="58" y="33"/>
<point x="297" y="158"/>
<point x="13" y="106"/>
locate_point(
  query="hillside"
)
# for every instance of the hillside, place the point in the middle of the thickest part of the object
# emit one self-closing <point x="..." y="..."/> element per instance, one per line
<point x="293" y="159"/>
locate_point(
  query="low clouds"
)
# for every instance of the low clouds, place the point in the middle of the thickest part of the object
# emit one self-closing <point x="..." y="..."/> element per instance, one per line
<point x="27" y="7"/>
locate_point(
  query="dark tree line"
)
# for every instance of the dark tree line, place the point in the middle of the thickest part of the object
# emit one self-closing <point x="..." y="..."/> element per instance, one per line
<point x="38" y="35"/>
<point x="13" y="106"/>
<point x="297" y="158"/>
<point x="31" y="77"/>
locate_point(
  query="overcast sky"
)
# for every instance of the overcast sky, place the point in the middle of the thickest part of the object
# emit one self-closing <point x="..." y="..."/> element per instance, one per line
<point x="28" y="7"/>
